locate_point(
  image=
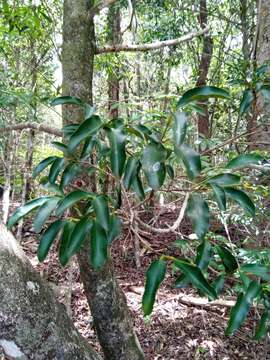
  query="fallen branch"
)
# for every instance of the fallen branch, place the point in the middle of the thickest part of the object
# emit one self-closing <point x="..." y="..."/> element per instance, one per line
<point x="151" y="46"/>
<point x="37" y="127"/>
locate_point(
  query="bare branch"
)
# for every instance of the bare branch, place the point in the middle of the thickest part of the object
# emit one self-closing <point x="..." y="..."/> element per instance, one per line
<point x="151" y="46"/>
<point x="37" y="127"/>
<point x="100" y="6"/>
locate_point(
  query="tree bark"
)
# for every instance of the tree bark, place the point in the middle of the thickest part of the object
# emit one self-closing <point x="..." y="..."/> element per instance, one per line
<point x="203" y="120"/>
<point x="106" y="300"/>
<point x="33" y="324"/>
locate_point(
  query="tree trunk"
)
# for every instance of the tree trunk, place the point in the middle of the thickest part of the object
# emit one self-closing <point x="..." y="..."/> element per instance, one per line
<point x="33" y="324"/>
<point x="203" y="120"/>
<point x="114" y="37"/>
<point x="263" y="57"/>
<point x="106" y="300"/>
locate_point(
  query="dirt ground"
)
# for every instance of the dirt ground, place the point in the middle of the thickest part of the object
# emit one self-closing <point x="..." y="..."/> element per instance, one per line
<point x="176" y="330"/>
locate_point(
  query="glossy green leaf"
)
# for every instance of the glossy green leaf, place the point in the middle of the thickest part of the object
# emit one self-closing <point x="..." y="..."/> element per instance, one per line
<point x="130" y="171"/>
<point x="99" y="246"/>
<point x="179" y="128"/>
<point x="246" y="101"/>
<point x="196" y="277"/>
<point x="54" y="188"/>
<point x="224" y="180"/>
<point x="69" y="129"/>
<point x="220" y="196"/>
<point x="44" y="212"/>
<point x="89" y="111"/>
<point x="244" y="160"/>
<point x="115" y="228"/>
<point x="117" y="139"/>
<point x="26" y="209"/>
<point x="198" y="213"/>
<point x="43" y="164"/>
<point x="146" y="133"/>
<point x="218" y="283"/>
<point x="227" y="258"/>
<point x="240" y="310"/>
<point x="88" y="147"/>
<point x="71" y="199"/>
<point x="191" y="160"/>
<point x="170" y="171"/>
<point x="47" y="239"/>
<point x="77" y="237"/>
<point x="86" y="129"/>
<point x="60" y="146"/>
<point x="262" y="271"/>
<point x="182" y="282"/>
<point x="56" y="168"/>
<point x="263" y="327"/>
<point x="153" y="165"/>
<point x="62" y="100"/>
<point x="101" y="207"/>
<point x="265" y="91"/>
<point x="154" y="277"/>
<point x="202" y="93"/>
<point x="70" y="172"/>
<point x="242" y="199"/>
<point x="204" y="252"/>
<point x="67" y="231"/>
<point x="138" y="188"/>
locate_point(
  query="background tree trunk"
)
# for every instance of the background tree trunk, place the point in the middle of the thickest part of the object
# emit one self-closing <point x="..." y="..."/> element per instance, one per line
<point x="106" y="300"/>
<point x="33" y="324"/>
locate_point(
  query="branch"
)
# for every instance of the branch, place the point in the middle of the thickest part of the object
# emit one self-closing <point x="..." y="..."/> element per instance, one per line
<point x="37" y="127"/>
<point x="152" y="46"/>
<point x="100" y="6"/>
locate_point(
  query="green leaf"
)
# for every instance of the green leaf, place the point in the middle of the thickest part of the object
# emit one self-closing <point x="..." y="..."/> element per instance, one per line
<point x="240" y="310"/>
<point x="202" y="93"/>
<point x="44" y="212"/>
<point x="70" y="172"/>
<point x="204" y="251"/>
<point x="77" y="237"/>
<point x="179" y="128"/>
<point x="259" y="270"/>
<point x="198" y="212"/>
<point x="86" y="129"/>
<point x="191" y="160"/>
<point x="60" y="146"/>
<point x="43" y="164"/>
<point x="227" y="258"/>
<point x="101" y="207"/>
<point x="244" y="160"/>
<point x="99" y="246"/>
<point x="26" y="209"/>
<point x="117" y="139"/>
<point x="242" y="199"/>
<point x="137" y="187"/>
<point x="170" y="171"/>
<point x="224" y="180"/>
<point x="71" y="199"/>
<point x="196" y="277"/>
<point x="265" y="91"/>
<point x="246" y="101"/>
<point x="146" y="133"/>
<point x="182" y="282"/>
<point x="153" y="165"/>
<point x="67" y="231"/>
<point x="264" y="326"/>
<point x="61" y="100"/>
<point x="55" y="169"/>
<point x="154" y="277"/>
<point x="220" y="196"/>
<point x="89" y="111"/>
<point x="115" y="228"/>
<point x="69" y="129"/>
<point x="130" y="171"/>
<point x="88" y="147"/>
<point x="218" y="283"/>
<point x="47" y="239"/>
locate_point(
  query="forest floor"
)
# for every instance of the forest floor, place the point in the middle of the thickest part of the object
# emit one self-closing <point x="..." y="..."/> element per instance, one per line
<point x="176" y="329"/>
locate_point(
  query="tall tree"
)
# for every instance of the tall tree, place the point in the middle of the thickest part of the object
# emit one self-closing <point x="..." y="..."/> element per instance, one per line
<point x="105" y="298"/>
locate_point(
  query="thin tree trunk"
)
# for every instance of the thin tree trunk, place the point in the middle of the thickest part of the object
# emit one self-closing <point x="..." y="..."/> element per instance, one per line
<point x="203" y="120"/>
<point x="106" y="300"/>
<point x="34" y="325"/>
